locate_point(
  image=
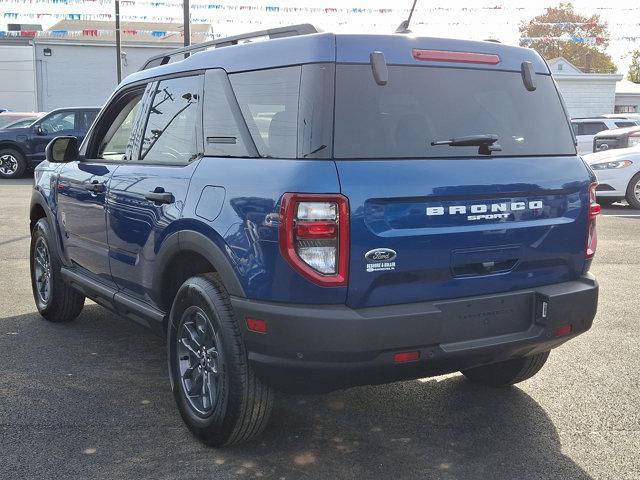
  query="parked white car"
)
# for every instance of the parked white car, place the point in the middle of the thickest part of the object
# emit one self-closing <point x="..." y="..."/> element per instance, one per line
<point x="586" y="128"/>
<point x="618" y="173"/>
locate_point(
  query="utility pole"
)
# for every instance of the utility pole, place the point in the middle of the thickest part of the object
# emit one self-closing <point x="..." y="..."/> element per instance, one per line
<point x="186" y="28"/>
<point x="118" y="46"/>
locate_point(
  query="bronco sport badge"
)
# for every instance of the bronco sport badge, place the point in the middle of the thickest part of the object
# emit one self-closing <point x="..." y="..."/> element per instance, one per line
<point x="485" y="211"/>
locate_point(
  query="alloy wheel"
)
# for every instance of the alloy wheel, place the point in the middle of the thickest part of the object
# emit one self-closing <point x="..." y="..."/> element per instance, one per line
<point x="636" y="190"/>
<point x="42" y="270"/>
<point x="8" y="164"/>
<point x="199" y="360"/>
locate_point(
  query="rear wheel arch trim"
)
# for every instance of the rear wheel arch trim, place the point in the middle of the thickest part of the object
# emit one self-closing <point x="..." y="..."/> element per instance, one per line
<point x="14" y="146"/>
<point x="189" y="240"/>
<point x="38" y="200"/>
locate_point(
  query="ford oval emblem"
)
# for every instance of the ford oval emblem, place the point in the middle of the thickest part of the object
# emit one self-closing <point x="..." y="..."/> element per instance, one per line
<point x="380" y="255"/>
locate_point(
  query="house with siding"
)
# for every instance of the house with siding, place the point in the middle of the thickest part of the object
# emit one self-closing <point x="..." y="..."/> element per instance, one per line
<point x="585" y="94"/>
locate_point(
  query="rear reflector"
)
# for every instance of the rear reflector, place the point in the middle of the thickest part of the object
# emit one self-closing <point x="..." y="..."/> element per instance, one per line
<point x="257" y="325"/>
<point x="564" y="330"/>
<point x="459" y="57"/>
<point x="403" y="357"/>
<point x="593" y="212"/>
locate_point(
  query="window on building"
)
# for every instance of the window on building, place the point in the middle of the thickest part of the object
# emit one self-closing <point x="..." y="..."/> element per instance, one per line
<point x="626" y="109"/>
<point x="171" y="132"/>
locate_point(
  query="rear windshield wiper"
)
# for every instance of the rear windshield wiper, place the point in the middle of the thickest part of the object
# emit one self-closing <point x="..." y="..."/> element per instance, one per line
<point x="487" y="143"/>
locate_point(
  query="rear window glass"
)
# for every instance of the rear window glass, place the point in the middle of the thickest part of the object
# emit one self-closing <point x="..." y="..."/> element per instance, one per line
<point x="591" y="128"/>
<point x="423" y="104"/>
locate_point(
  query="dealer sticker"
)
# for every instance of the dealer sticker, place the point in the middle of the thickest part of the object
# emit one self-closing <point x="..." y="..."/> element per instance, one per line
<point x="380" y="259"/>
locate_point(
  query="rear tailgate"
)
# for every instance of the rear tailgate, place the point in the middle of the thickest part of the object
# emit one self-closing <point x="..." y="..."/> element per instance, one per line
<point x="431" y="220"/>
<point x="524" y="224"/>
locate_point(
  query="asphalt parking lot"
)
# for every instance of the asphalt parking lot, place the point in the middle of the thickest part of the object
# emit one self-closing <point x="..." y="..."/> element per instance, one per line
<point x="91" y="399"/>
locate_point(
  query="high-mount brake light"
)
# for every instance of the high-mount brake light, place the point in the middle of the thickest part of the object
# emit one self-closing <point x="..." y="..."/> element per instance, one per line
<point x="593" y="212"/>
<point x="459" y="57"/>
<point x="314" y="236"/>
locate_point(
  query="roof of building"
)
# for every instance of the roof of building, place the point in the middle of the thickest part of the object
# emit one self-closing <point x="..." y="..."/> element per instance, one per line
<point x="567" y="68"/>
<point x="626" y="87"/>
<point x="98" y="31"/>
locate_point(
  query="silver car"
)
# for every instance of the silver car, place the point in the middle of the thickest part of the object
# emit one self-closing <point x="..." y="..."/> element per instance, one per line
<point x="618" y="173"/>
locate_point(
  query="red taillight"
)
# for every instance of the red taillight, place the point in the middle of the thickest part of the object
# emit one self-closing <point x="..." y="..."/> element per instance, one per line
<point x="594" y="211"/>
<point x="563" y="330"/>
<point x="404" y="357"/>
<point x="458" y="57"/>
<point x="314" y="236"/>
<point x="257" y="325"/>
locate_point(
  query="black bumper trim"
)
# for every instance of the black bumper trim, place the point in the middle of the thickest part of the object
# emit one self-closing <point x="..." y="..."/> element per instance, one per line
<point x="348" y="346"/>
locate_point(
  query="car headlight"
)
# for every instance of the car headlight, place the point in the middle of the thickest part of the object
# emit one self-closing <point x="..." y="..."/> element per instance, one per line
<point x="611" y="165"/>
<point x="634" y="141"/>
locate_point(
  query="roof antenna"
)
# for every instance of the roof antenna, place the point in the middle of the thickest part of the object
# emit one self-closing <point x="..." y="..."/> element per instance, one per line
<point x="404" y="26"/>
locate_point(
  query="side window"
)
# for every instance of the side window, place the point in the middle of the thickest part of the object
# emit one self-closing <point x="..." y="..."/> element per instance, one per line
<point x="117" y="142"/>
<point x="592" y="128"/>
<point x="625" y="124"/>
<point x="576" y="128"/>
<point x="269" y="103"/>
<point x="59" y="122"/>
<point x="224" y="130"/>
<point x="171" y="132"/>
<point x="89" y="117"/>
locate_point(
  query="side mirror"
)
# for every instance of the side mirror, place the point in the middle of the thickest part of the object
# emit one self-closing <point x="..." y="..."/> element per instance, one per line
<point x="62" y="150"/>
<point x="40" y="130"/>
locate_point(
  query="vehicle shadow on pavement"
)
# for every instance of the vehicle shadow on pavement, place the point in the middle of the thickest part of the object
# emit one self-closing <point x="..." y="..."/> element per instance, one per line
<point x="93" y="399"/>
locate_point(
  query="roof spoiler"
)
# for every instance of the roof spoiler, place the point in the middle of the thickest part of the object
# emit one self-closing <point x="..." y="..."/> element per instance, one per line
<point x="280" y="32"/>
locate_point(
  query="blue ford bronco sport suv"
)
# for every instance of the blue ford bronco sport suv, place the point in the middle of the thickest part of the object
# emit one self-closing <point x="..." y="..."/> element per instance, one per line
<point x="317" y="211"/>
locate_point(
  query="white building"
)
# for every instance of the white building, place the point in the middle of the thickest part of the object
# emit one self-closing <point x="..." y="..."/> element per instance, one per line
<point x="585" y="94"/>
<point x="48" y="72"/>
<point x="627" y="97"/>
<point x="18" y="74"/>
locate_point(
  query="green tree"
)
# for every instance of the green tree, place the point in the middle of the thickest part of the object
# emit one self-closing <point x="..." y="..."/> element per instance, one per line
<point x="634" y="68"/>
<point x="561" y="21"/>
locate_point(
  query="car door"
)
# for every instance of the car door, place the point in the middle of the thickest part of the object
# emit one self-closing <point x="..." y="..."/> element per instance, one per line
<point x="56" y="124"/>
<point x="83" y="186"/>
<point x="147" y="193"/>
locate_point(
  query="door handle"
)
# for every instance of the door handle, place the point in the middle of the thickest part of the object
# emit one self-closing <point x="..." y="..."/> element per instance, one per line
<point x="95" y="187"/>
<point x="159" y="196"/>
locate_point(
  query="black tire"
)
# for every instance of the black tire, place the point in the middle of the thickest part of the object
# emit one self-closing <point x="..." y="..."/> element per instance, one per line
<point x="12" y="163"/>
<point x="606" y="201"/>
<point x="62" y="303"/>
<point x="509" y="372"/>
<point x="633" y="191"/>
<point x="240" y="406"/>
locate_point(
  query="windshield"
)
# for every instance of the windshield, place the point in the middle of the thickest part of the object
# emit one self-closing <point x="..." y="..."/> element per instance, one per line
<point x="420" y="105"/>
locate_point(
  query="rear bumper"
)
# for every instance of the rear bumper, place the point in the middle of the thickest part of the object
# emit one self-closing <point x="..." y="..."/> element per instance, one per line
<point x="325" y="347"/>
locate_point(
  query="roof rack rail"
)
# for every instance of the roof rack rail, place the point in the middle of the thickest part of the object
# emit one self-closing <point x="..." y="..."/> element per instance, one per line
<point x="280" y="32"/>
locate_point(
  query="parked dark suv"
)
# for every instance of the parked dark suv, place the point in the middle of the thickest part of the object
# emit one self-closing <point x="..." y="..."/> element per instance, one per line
<point x="319" y="211"/>
<point x="23" y="148"/>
